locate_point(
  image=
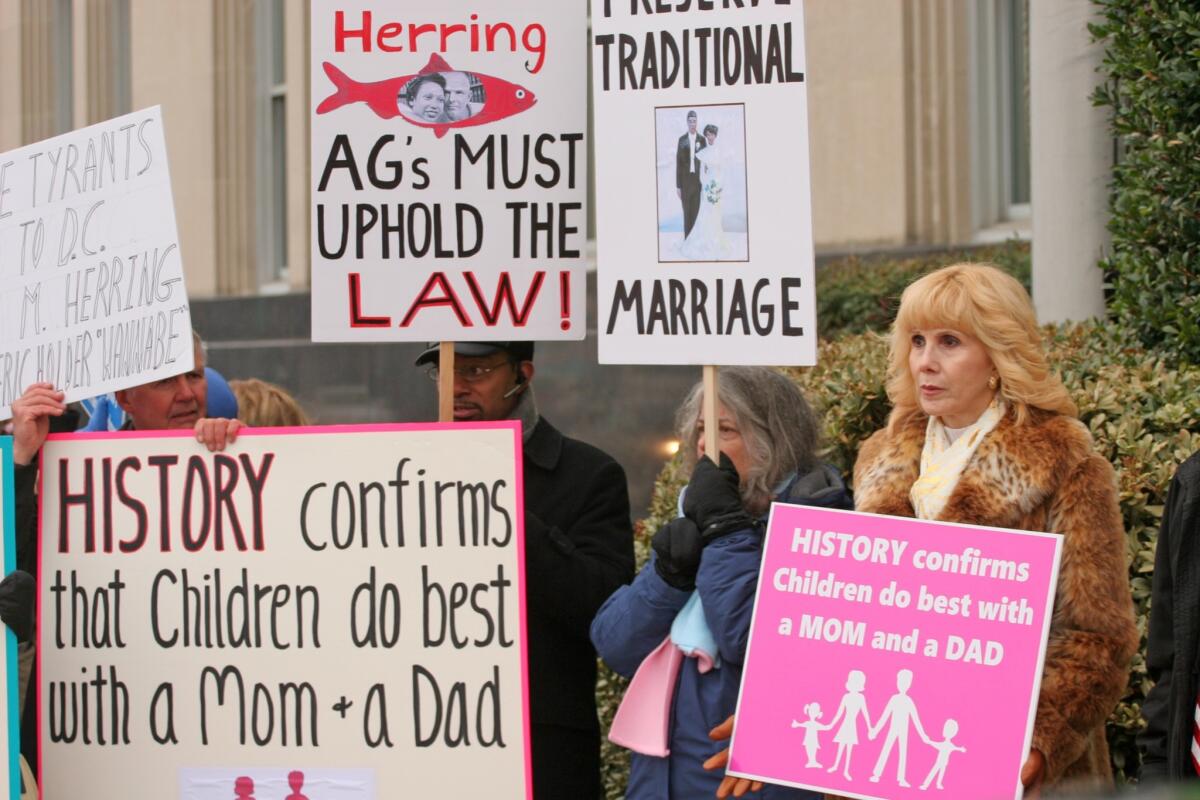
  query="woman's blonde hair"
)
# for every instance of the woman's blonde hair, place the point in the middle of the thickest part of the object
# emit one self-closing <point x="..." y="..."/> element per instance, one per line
<point x="992" y="306"/>
<point x="265" y="405"/>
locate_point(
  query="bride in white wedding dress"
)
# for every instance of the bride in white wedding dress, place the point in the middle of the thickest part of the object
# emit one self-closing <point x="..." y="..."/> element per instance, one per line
<point x="707" y="241"/>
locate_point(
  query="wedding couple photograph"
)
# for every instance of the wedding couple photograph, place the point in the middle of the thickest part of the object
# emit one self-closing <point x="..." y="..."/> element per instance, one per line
<point x="701" y="161"/>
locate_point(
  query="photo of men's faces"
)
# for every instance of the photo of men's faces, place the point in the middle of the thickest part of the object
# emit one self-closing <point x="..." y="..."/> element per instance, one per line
<point x="442" y="97"/>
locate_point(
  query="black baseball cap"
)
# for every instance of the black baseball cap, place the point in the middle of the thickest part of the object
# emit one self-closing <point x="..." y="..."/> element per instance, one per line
<point x="520" y="351"/>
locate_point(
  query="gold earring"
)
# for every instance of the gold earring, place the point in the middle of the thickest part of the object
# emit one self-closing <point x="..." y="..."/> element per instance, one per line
<point x="993" y="382"/>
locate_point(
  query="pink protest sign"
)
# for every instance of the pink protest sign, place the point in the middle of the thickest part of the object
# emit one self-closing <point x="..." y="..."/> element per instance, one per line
<point x="894" y="658"/>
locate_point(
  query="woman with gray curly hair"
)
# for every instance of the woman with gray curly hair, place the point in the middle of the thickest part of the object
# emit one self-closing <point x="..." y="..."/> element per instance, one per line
<point x="770" y="429"/>
<point x="680" y="629"/>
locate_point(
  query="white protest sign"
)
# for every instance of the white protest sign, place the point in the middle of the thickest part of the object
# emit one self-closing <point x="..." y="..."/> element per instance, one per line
<point x="449" y="170"/>
<point x="703" y="214"/>
<point x="92" y="297"/>
<point x="342" y="603"/>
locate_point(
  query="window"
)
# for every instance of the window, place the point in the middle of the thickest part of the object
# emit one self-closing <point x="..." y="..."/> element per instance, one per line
<point x="999" y="111"/>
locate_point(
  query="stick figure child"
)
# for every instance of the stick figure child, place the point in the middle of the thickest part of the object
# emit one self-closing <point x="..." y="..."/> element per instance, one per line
<point x="853" y="704"/>
<point x="811" y="727"/>
<point x="944" y="748"/>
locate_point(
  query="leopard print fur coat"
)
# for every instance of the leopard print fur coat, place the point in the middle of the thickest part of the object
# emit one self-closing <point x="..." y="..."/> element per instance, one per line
<point x="1043" y="475"/>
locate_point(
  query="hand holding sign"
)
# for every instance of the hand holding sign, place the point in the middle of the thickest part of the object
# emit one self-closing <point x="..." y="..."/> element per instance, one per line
<point x="1033" y="773"/>
<point x="730" y="786"/>
<point x="677" y="547"/>
<point x="31" y="419"/>
<point x="713" y="500"/>
<point x="215" y="434"/>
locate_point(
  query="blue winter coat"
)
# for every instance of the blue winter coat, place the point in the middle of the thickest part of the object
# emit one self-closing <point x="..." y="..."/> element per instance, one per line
<point x="636" y="619"/>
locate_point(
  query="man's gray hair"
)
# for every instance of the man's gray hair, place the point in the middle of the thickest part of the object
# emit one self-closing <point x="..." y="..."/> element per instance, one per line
<point x="776" y="422"/>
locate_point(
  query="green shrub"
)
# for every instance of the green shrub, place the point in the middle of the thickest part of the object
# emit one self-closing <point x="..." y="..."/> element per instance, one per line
<point x="856" y="294"/>
<point x="1145" y="418"/>
<point x="1152" y="86"/>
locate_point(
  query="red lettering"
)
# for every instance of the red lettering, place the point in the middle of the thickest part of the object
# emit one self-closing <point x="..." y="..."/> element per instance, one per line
<point x="389" y="31"/>
<point x="504" y="296"/>
<point x="416" y="32"/>
<point x="426" y="299"/>
<point x="357" y="320"/>
<point x="341" y="34"/>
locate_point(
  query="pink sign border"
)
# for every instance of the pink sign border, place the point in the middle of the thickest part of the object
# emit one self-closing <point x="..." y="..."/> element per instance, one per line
<point x="317" y="430"/>
<point x="1041" y="659"/>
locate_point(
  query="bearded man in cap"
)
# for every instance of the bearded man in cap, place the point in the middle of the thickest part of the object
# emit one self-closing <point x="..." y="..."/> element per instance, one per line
<point x="578" y="551"/>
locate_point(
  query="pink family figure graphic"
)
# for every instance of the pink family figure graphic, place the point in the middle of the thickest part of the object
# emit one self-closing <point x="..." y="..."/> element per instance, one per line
<point x="900" y="711"/>
<point x="296" y="782"/>
<point x="853" y="704"/>
<point x="944" y="748"/>
<point x="811" y="728"/>
<point x="243" y="789"/>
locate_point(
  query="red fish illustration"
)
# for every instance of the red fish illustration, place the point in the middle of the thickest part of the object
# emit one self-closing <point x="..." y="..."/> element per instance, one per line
<point x="501" y="98"/>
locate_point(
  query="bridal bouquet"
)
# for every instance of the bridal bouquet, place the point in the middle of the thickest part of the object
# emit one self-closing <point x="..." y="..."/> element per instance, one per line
<point x="712" y="191"/>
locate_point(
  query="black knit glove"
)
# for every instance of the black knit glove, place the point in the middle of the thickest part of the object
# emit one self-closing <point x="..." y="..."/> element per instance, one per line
<point x="677" y="545"/>
<point x="17" y="599"/>
<point x="713" y="501"/>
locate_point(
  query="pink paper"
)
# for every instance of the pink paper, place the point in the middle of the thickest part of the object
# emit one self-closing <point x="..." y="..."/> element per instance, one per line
<point x="852" y="656"/>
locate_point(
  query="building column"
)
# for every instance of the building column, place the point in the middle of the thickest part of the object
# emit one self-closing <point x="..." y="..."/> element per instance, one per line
<point x="11" y="85"/>
<point x="299" y="159"/>
<point x="234" y="126"/>
<point x="1071" y="153"/>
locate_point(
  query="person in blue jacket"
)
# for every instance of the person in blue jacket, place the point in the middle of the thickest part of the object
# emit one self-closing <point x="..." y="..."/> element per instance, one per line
<point x="681" y="627"/>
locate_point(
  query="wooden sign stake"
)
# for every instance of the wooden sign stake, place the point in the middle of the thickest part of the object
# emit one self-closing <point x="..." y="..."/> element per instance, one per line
<point x="711" y="426"/>
<point x="446" y="382"/>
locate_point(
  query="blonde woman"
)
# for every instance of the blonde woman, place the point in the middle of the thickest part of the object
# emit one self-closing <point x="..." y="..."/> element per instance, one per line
<point x="982" y="432"/>
<point x="265" y="405"/>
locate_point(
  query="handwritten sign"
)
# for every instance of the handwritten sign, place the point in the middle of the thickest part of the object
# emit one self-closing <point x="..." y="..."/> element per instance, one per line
<point x="449" y="170"/>
<point x="92" y="297"/>
<point x="10" y="715"/>
<point x="344" y="598"/>
<point x="703" y="214"/>
<point x="894" y="658"/>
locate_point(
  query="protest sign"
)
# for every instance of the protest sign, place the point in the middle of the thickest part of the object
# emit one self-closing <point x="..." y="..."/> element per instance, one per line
<point x="10" y="715"/>
<point x="449" y="170"/>
<point x="342" y="603"/>
<point x="894" y="658"/>
<point x="703" y="217"/>
<point x="92" y="297"/>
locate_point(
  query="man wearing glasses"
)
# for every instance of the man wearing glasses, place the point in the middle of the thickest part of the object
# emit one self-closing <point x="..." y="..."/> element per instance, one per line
<point x="578" y="550"/>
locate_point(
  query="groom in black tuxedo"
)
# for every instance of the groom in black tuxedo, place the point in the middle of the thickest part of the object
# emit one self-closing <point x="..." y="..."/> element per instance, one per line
<point x="687" y="172"/>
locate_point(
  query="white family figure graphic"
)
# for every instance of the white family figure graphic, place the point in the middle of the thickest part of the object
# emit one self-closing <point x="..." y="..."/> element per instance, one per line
<point x="900" y="711"/>
<point x="853" y="704"/>
<point x="899" y="714"/>
<point x="811" y="727"/>
<point x="944" y="748"/>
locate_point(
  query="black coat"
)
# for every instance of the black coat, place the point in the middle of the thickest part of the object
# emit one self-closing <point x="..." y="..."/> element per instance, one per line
<point x="24" y="481"/>
<point x="578" y="551"/>
<point x="688" y="178"/>
<point x="1174" y="633"/>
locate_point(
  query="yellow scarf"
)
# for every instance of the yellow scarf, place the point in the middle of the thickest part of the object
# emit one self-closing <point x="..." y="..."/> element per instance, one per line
<point x="942" y="463"/>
